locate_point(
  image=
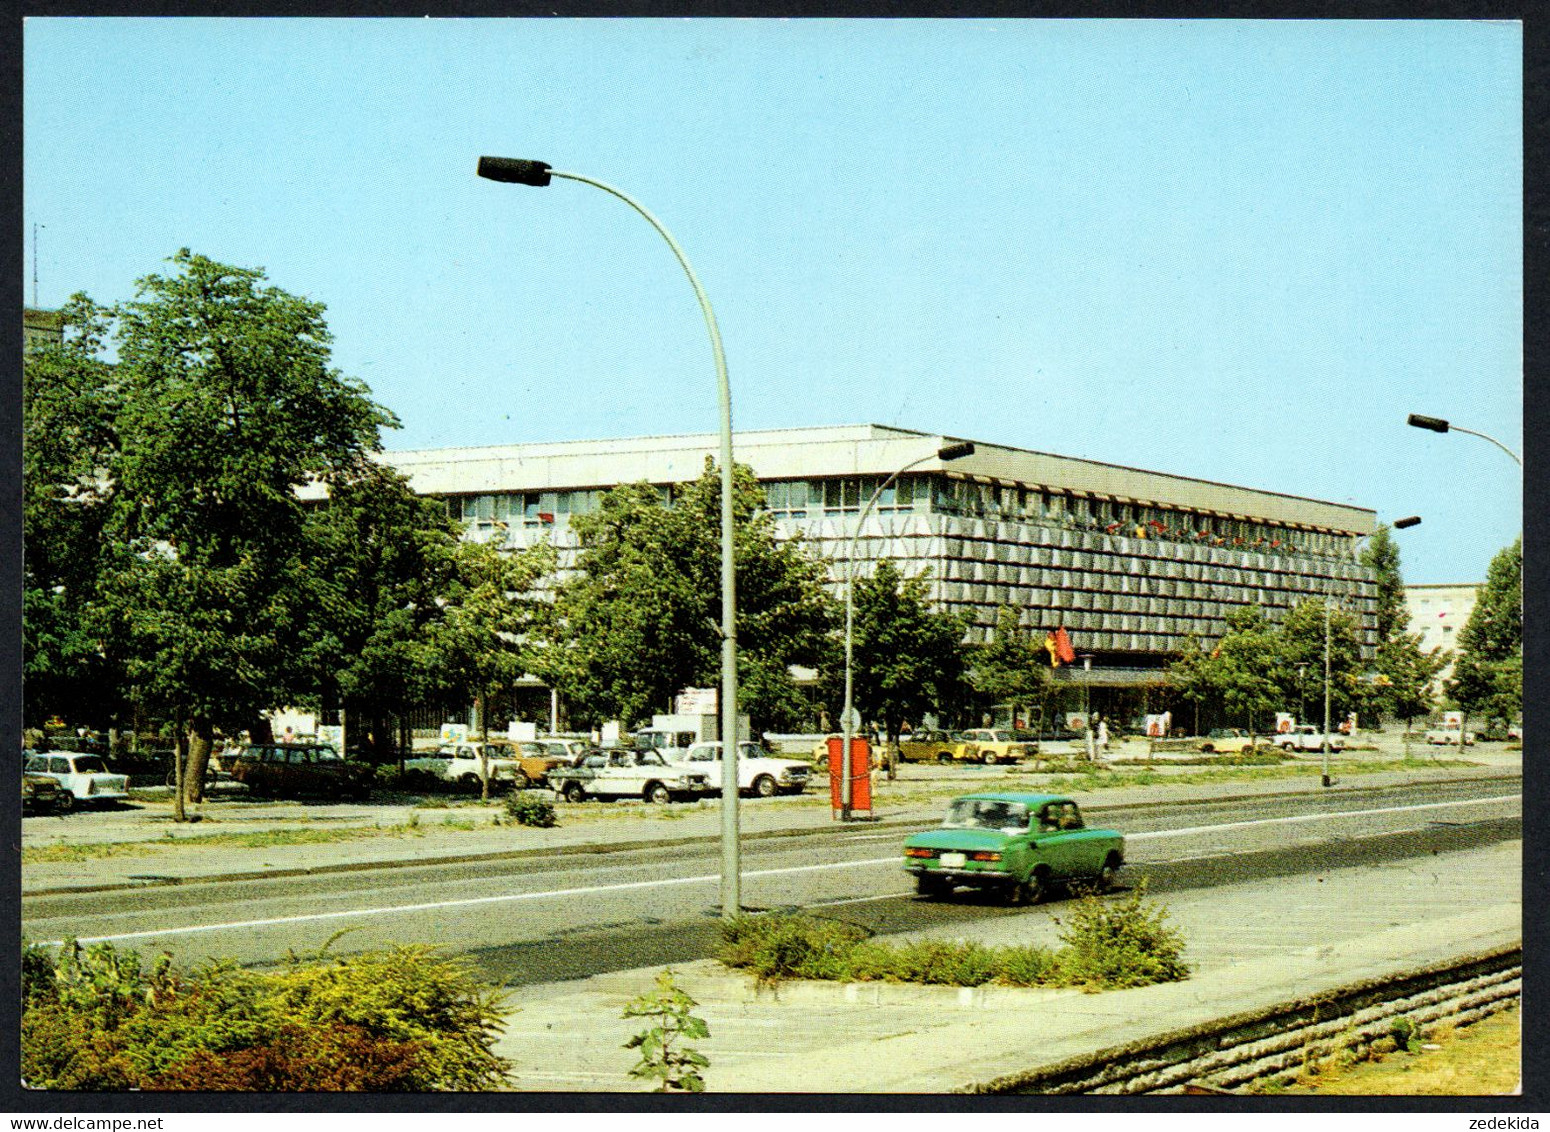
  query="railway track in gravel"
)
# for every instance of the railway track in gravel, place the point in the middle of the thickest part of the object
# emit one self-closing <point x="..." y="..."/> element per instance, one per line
<point x="1228" y="1055"/>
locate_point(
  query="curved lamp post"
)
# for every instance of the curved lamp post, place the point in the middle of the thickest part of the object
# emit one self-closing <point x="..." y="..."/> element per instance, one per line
<point x="1399" y="525"/>
<point x="1437" y="424"/>
<point x="517" y="171"/>
<point x="946" y="454"/>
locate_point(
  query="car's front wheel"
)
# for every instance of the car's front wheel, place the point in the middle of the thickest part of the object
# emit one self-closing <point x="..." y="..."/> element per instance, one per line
<point x="469" y="782"/>
<point x="1104" y="881"/>
<point x="944" y="758"/>
<point x="764" y="786"/>
<point x="573" y="792"/>
<point x="520" y="780"/>
<point x="1032" y="890"/>
<point x="988" y="758"/>
<point x="1207" y="749"/>
<point x="657" y="794"/>
<point x="65" y="802"/>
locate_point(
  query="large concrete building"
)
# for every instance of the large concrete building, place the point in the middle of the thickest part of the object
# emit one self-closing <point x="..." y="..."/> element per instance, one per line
<point x="1129" y="562"/>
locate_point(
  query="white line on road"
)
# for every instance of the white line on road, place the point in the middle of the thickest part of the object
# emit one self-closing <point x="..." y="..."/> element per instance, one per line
<point x="663" y="882"/>
<point x="1319" y="817"/>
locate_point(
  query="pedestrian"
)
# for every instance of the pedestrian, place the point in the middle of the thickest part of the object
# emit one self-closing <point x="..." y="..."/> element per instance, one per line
<point x="1103" y="734"/>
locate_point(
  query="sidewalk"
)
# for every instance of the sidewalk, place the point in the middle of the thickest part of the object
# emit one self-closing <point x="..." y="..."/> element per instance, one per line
<point x="1251" y="945"/>
<point x="174" y="853"/>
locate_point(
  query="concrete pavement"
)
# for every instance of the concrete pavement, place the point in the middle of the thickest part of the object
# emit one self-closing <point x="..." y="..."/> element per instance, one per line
<point x="1250" y="946"/>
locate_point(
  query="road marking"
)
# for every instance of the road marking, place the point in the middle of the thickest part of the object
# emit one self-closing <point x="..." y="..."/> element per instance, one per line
<point x="1319" y="817"/>
<point x="663" y="882"/>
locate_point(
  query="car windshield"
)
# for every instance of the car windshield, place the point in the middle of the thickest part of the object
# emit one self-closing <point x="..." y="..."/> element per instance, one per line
<point x="327" y="755"/>
<point x="90" y="764"/>
<point x="985" y="813"/>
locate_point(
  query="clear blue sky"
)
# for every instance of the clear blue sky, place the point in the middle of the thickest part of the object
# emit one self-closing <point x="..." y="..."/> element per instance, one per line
<point x="1235" y="250"/>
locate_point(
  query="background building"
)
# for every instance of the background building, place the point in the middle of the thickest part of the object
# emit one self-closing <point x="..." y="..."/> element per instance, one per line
<point x="1130" y="562"/>
<point x="1438" y="612"/>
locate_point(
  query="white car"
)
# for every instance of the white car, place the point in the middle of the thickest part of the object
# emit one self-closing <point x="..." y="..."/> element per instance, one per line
<point x="1307" y="737"/>
<point x="757" y="773"/>
<point x="1449" y="737"/>
<point x="611" y="775"/>
<point x="81" y="778"/>
<point x="458" y="764"/>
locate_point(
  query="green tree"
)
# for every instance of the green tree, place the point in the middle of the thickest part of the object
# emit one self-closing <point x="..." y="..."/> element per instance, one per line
<point x="908" y="659"/>
<point x="1381" y="556"/>
<point x="1010" y="668"/>
<point x="69" y="405"/>
<point x="1298" y="662"/>
<point x="490" y="618"/>
<point x="223" y="406"/>
<point x="1488" y="669"/>
<point x="1244" y="666"/>
<point x="640" y="620"/>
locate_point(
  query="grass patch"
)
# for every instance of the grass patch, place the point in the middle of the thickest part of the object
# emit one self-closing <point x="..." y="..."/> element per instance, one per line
<point x="255" y="839"/>
<point x="1480" y="1060"/>
<point x="1123" y="943"/>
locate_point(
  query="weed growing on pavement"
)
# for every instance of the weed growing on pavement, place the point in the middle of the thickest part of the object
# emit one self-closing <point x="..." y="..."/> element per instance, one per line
<point x="1120" y="943"/>
<point x="661" y="1058"/>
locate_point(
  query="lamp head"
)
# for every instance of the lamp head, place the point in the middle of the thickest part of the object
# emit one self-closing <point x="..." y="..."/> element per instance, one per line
<point x="955" y="451"/>
<point x="514" y="170"/>
<point x="1435" y="424"/>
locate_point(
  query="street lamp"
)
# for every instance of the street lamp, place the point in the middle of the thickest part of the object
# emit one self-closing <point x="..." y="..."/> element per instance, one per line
<point x="848" y="720"/>
<point x="517" y="171"/>
<point x="1437" y="424"/>
<point x="1399" y="524"/>
<point x="1087" y="706"/>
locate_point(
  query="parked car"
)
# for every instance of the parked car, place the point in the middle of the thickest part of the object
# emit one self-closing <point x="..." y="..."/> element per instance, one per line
<point x="996" y="746"/>
<point x="757" y="772"/>
<point x="1515" y="731"/>
<point x="628" y="774"/>
<point x="81" y="778"/>
<point x="1306" y="737"/>
<point x="459" y="764"/>
<point x="296" y="770"/>
<point x="535" y="759"/>
<point x="821" y="752"/>
<point x="934" y="746"/>
<point x="1019" y="844"/>
<point x="1229" y="741"/>
<point x="1449" y="736"/>
<point x="42" y="794"/>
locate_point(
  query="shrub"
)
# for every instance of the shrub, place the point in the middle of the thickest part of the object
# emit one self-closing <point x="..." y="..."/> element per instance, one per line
<point x="802" y="947"/>
<point x="1125" y="943"/>
<point x="530" y="809"/>
<point x="397" y="1020"/>
<point x="1025" y="966"/>
<point x="945" y="962"/>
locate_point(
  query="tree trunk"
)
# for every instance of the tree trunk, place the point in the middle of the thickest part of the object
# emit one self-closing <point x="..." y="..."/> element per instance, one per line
<point x="202" y="742"/>
<point x="484" y="748"/>
<point x="179" y="771"/>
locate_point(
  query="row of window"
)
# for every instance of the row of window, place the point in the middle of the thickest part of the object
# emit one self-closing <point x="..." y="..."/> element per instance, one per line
<point x="801" y="499"/>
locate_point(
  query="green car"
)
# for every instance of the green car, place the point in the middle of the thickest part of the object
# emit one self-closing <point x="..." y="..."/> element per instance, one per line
<point x="1020" y="844"/>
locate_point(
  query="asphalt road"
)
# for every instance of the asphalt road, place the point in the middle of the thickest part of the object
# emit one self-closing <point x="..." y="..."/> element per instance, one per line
<point x="547" y="919"/>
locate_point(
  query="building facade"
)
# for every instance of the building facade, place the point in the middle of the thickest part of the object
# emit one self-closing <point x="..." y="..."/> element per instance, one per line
<point x="1130" y="562"/>
<point x="1438" y="612"/>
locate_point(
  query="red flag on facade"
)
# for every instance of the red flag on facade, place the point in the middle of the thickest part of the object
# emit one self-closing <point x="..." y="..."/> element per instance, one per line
<point x="1063" y="646"/>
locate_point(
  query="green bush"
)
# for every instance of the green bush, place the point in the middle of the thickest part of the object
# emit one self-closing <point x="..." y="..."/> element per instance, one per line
<point x="402" y="1020"/>
<point x="530" y="809"/>
<point x="1124" y="943"/>
<point x="1107" y="944"/>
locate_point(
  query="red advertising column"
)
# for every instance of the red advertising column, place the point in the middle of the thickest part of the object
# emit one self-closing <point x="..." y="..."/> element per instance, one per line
<point x="860" y="776"/>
